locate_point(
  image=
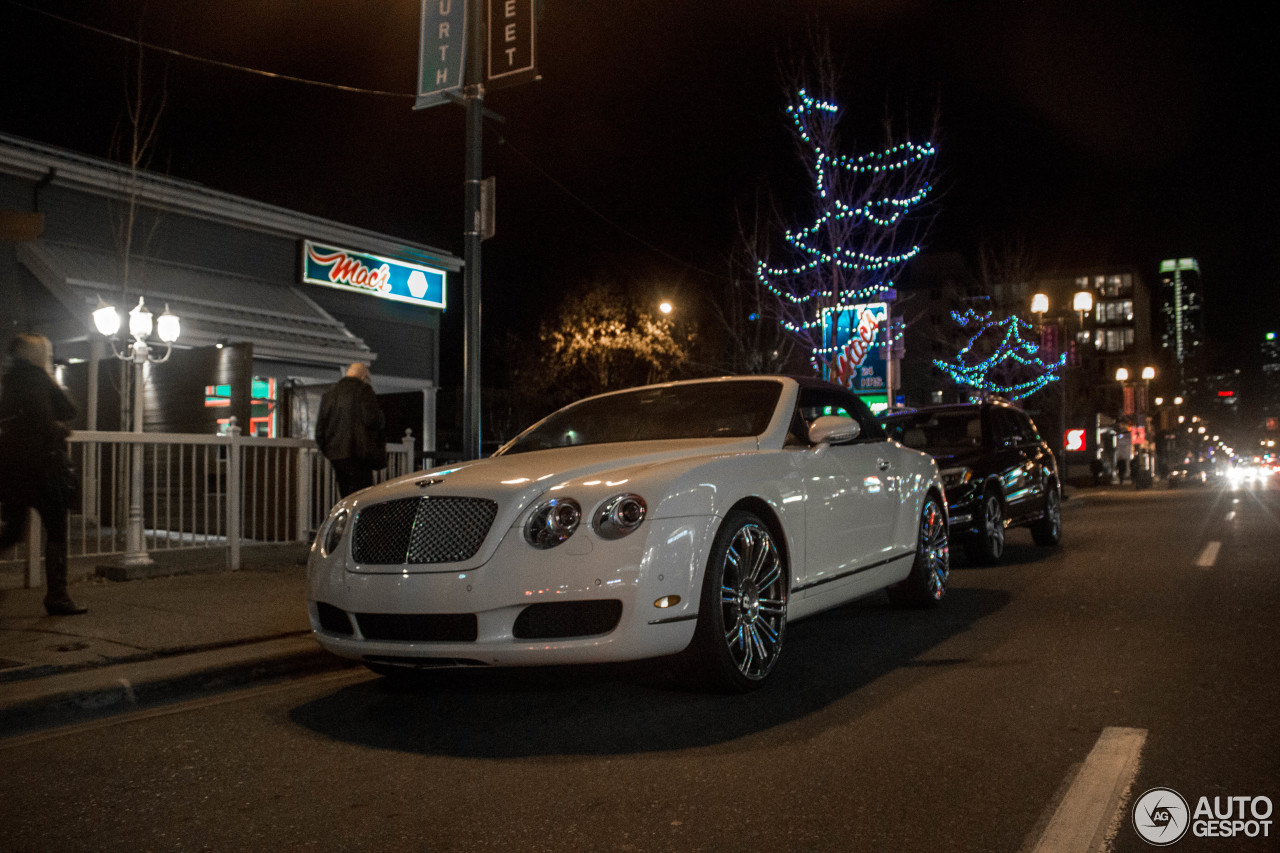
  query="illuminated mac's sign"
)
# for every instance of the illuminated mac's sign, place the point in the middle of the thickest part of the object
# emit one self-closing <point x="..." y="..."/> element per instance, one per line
<point x="372" y="275"/>
<point x="856" y="338"/>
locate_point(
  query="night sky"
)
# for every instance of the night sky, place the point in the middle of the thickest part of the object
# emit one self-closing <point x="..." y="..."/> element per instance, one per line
<point x="1101" y="133"/>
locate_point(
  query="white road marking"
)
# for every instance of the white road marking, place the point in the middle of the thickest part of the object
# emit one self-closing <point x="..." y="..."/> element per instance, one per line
<point x="1209" y="555"/>
<point x="1231" y="516"/>
<point x="1093" y="805"/>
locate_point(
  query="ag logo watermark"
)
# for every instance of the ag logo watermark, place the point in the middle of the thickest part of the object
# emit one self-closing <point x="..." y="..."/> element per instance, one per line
<point x="1161" y="816"/>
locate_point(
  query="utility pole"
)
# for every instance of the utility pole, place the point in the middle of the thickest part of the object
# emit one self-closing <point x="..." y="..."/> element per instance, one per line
<point x="466" y="46"/>
<point x="473" y="95"/>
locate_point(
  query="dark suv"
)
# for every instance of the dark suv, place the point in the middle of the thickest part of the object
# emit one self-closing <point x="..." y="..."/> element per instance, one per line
<point x="997" y="470"/>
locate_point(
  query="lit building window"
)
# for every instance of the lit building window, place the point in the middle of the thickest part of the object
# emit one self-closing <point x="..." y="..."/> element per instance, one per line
<point x="1114" y="340"/>
<point x="1116" y="311"/>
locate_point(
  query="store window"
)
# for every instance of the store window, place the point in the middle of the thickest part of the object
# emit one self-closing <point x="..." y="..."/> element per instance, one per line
<point x="262" y="420"/>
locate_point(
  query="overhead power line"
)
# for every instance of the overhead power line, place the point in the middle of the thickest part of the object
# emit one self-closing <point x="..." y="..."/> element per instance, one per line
<point x="359" y="90"/>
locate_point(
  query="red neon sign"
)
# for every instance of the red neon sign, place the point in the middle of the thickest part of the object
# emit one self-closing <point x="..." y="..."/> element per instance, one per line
<point x="1074" y="439"/>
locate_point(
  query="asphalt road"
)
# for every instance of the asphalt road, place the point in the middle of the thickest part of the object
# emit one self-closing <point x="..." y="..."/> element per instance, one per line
<point x="961" y="729"/>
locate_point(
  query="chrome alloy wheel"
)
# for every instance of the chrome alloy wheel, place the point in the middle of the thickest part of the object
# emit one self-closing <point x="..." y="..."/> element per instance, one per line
<point x="753" y="601"/>
<point x="935" y="548"/>
<point x="992" y="525"/>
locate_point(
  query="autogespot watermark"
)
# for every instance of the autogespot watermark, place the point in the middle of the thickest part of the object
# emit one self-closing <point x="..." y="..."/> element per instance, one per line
<point x="1161" y="816"/>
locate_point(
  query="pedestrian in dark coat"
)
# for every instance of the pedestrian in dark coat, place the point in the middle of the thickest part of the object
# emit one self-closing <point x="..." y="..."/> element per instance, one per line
<point x="351" y="430"/>
<point x="35" y="417"/>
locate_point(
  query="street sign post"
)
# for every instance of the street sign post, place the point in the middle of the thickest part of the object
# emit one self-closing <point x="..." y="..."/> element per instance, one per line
<point x="452" y="67"/>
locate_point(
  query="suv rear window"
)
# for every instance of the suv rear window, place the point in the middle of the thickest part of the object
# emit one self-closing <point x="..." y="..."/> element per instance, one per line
<point x="951" y="430"/>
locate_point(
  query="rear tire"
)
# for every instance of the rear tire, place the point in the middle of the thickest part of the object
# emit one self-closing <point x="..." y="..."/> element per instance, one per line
<point x="1046" y="531"/>
<point x="927" y="583"/>
<point x="742" y="617"/>
<point x="987" y="547"/>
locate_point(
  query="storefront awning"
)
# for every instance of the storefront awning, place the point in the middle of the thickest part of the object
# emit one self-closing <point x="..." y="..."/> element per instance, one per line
<point x="214" y="306"/>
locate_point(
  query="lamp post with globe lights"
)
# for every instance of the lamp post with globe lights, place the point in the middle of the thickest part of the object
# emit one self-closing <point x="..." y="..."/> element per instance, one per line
<point x="1136" y="393"/>
<point x="1081" y="303"/>
<point x="1054" y="335"/>
<point x="141" y="324"/>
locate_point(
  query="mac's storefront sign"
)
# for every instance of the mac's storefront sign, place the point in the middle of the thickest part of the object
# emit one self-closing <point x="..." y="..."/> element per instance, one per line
<point x="372" y="275"/>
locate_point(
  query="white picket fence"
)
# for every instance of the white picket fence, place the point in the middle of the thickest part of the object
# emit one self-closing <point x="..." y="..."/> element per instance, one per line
<point x="199" y="492"/>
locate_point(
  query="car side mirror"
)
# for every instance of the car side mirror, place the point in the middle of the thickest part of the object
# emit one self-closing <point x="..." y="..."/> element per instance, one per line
<point x="834" y="429"/>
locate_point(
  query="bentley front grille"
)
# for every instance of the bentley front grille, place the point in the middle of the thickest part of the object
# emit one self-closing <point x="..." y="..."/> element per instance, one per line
<point x="422" y="530"/>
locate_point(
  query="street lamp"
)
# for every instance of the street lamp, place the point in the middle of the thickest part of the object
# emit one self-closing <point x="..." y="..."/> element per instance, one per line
<point x="141" y="325"/>
<point x="1082" y="303"/>
<point x="1039" y="305"/>
<point x="665" y="307"/>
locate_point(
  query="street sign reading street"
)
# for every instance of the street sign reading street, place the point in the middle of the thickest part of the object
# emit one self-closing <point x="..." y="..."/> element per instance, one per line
<point x="511" y="58"/>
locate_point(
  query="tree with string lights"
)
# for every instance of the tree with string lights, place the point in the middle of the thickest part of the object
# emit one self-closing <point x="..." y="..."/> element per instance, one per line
<point x="868" y="219"/>
<point x="997" y="360"/>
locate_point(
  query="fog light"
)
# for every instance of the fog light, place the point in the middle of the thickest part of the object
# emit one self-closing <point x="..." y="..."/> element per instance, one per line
<point x="667" y="601"/>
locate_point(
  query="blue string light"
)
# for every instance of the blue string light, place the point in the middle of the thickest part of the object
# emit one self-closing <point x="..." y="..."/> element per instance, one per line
<point x="839" y="252"/>
<point x="1012" y="348"/>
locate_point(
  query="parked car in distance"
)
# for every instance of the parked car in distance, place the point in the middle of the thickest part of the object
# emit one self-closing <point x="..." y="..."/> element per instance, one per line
<point x="997" y="470"/>
<point x="695" y="518"/>
<point x="1192" y="474"/>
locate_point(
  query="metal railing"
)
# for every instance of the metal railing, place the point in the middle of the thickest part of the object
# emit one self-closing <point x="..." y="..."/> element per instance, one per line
<point x="199" y="491"/>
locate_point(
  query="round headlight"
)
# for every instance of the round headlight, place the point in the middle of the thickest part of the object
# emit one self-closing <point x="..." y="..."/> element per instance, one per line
<point x="552" y="522"/>
<point x="331" y="537"/>
<point x="620" y="515"/>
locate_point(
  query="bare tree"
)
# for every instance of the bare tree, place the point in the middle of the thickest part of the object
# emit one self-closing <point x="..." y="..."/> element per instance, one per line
<point x="868" y="216"/>
<point x="746" y="337"/>
<point x="1006" y="266"/>
<point x="133" y="144"/>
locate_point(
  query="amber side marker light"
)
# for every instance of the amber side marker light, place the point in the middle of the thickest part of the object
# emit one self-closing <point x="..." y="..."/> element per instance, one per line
<point x="667" y="601"/>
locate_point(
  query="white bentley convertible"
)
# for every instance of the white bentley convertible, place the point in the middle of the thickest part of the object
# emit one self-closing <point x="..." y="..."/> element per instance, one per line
<point x="691" y="517"/>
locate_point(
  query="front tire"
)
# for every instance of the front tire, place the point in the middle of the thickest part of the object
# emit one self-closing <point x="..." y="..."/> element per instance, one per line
<point x="988" y="546"/>
<point x="927" y="583"/>
<point x="743" y="614"/>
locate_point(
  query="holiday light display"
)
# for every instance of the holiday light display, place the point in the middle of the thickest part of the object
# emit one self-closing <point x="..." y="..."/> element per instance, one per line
<point x="1011" y="355"/>
<point x="862" y="232"/>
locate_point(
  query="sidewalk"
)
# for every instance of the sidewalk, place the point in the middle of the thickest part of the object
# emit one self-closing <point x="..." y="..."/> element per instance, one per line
<point x="148" y="641"/>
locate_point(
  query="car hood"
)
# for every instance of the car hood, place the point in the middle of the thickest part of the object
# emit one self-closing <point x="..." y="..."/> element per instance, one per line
<point x="955" y="458"/>
<point x="515" y="481"/>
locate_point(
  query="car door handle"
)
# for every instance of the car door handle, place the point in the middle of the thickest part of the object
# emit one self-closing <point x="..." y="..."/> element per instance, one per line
<point x="883" y="464"/>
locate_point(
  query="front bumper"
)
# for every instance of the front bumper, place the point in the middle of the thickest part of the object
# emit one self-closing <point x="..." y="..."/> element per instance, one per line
<point x="474" y="617"/>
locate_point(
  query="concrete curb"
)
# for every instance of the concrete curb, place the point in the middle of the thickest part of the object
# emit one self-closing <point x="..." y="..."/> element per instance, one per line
<point x="37" y="703"/>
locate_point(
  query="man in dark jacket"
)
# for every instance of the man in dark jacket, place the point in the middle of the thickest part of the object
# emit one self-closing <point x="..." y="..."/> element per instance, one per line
<point x="351" y="430"/>
<point x="34" y="467"/>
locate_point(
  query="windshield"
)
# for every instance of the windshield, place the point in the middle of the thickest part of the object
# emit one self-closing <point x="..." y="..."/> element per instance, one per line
<point x="697" y="410"/>
<point x="937" y="430"/>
